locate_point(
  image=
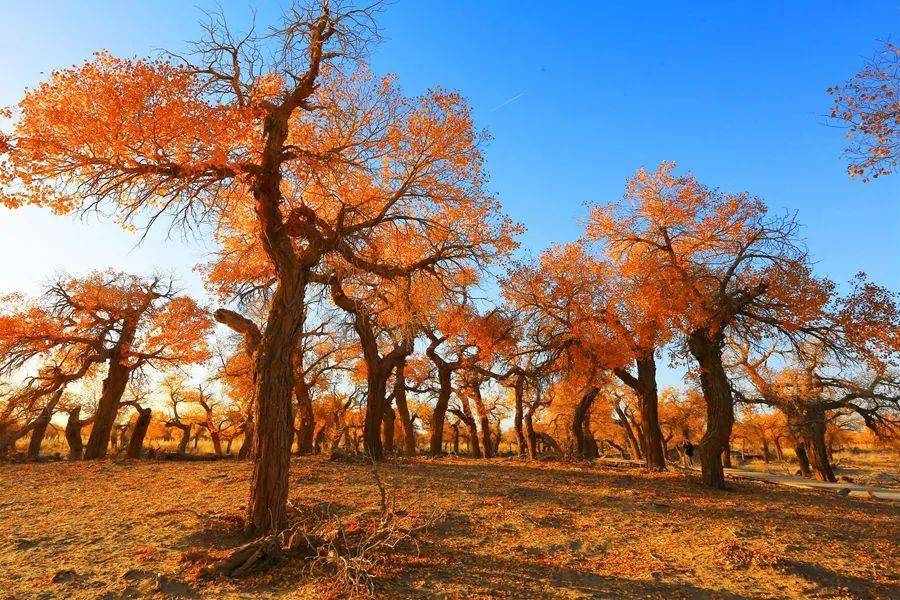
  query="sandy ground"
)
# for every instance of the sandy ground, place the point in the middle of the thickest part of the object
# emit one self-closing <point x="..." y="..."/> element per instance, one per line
<point x="504" y="528"/>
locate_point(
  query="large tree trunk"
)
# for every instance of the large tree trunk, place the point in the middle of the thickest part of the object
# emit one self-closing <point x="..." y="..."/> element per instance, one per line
<point x="375" y="406"/>
<point x="445" y="388"/>
<point x="803" y="460"/>
<point x="519" y="392"/>
<point x="469" y="420"/>
<point x="649" y="398"/>
<point x="40" y="428"/>
<point x="814" y="443"/>
<point x="273" y="430"/>
<point x="307" y="420"/>
<point x="141" y="425"/>
<point x="583" y="446"/>
<point x="719" y="406"/>
<point x="216" y="438"/>
<point x="73" y="434"/>
<point x="388" y="420"/>
<point x="530" y="436"/>
<point x="483" y="418"/>
<point x="409" y="432"/>
<point x="726" y="456"/>
<point x="185" y="437"/>
<point x="107" y="408"/>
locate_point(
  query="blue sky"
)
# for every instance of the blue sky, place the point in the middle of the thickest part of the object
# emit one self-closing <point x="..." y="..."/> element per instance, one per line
<point x="576" y="95"/>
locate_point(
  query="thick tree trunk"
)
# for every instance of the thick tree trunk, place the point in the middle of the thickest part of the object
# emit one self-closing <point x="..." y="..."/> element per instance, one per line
<point x="37" y="434"/>
<point x="518" y="417"/>
<point x="246" y="450"/>
<point x="816" y="449"/>
<point x="719" y="406"/>
<point x="530" y="436"/>
<point x="216" y="438"/>
<point x="803" y="460"/>
<point x="375" y="401"/>
<point x="409" y="432"/>
<point x="185" y="438"/>
<point x="107" y="408"/>
<point x="273" y="430"/>
<point x="445" y="388"/>
<point x="726" y="456"/>
<point x="583" y="447"/>
<point x="483" y="419"/>
<point x="653" y="445"/>
<point x="307" y="420"/>
<point x="73" y="434"/>
<point x="141" y="425"/>
<point x="388" y="420"/>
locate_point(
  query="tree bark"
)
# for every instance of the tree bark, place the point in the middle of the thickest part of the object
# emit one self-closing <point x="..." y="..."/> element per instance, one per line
<point x="40" y="428"/>
<point x="583" y="448"/>
<point x="719" y="406"/>
<point x="273" y="430"/>
<point x="307" y="420"/>
<point x="406" y="422"/>
<point x="73" y="434"/>
<point x="438" y="416"/>
<point x="814" y="444"/>
<point x="519" y="392"/>
<point x="387" y="429"/>
<point x="483" y="418"/>
<point x="108" y="407"/>
<point x="649" y="398"/>
<point x="803" y="460"/>
<point x="530" y="436"/>
<point x="141" y="425"/>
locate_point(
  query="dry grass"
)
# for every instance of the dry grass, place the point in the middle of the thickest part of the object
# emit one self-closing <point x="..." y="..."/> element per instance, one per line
<point x="511" y="529"/>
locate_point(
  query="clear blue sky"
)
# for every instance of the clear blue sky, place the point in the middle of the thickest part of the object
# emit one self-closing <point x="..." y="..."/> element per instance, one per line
<point x="577" y="95"/>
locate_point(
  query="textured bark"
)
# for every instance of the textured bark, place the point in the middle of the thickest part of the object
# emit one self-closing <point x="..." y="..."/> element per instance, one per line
<point x="726" y="456"/>
<point x="107" y="408"/>
<point x="387" y="430"/>
<point x="719" y="406"/>
<point x="644" y="386"/>
<point x="530" y="436"/>
<point x="273" y="418"/>
<point x="465" y="415"/>
<point x="439" y="415"/>
<point x="141" y="425"/>
<point x="814" y="444"/>
<point x="649" y="398"/>
<point x="585" y="447"/>
<point x="803" y="460"/>
<point x="519" y="394"/>
<point x="406" y="422"/>
<point x="40" y="428"/>
<point x="306" y="426"/>
<point x="73" y="434"/>
<point x="483" y="418"/>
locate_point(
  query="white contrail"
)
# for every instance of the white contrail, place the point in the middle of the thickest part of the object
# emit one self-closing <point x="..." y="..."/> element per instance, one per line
<point x="510" y="101"/>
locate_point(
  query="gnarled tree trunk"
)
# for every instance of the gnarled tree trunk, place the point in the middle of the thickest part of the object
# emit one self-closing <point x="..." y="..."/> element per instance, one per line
<point x="438" y="416"/>
<point x="584" y="448"/>
<point x="719" y="405"/>
<point x="73" y="434"/>
<point x="406" y="422"/>
<point x="141" y="425"/>
<point x="307" y="421"/>
<point x="107" y="408"/>
<point x="518" y="417"/>
<point x="387" y="429"/>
